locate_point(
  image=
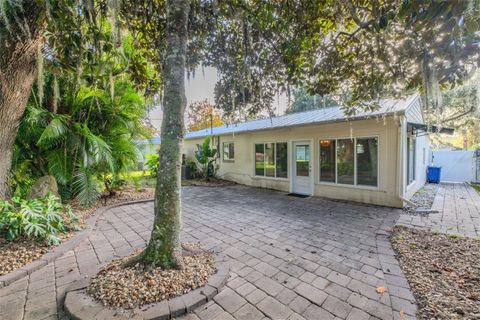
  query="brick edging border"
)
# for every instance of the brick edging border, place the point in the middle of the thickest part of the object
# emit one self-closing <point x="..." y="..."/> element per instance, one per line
<point x="395" y="280"/>
<point x="80" y="306"/>
<point x="68" y="245"/>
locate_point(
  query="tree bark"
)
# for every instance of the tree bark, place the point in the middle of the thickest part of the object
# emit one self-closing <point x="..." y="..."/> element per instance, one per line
<point x="164" y="249"/>
<point x="18" y="70"/>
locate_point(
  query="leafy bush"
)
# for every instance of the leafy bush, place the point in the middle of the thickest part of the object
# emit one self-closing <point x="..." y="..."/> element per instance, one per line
<point x="114" y="184"/>
<point x="206" y="157"/>
<point x="42" y="219"/>
<point x="152" y="163"/>
<point x="136" y="183"/>
<point x="84" y="130"/>
<point x="192" y="169"/>
<point x="21" y="179"/>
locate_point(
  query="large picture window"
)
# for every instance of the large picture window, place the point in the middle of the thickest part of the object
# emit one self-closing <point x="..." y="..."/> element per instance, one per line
<point x="349" y="161"/>
<point x="345" y="161"/>
<point x="367" y="161"/>
<point x="228" y="151"/>
<point x="328" y="160"/>
<point x="271" y="160"/>
<point x="260" y="159"/>
<point x="281" y="160"/>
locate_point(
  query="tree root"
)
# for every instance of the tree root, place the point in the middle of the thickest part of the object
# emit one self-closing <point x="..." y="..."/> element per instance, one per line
<point x="137" y="260"/>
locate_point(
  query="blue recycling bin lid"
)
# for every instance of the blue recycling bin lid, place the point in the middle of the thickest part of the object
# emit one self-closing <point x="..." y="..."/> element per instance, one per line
<point x="434" y="167"/>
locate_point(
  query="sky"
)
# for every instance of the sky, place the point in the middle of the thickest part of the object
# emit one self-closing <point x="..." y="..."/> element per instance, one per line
<point x="201" y="87"/>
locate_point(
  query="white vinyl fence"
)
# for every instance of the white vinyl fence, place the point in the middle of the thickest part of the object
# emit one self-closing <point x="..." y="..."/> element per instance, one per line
<point x="457" y="166"/>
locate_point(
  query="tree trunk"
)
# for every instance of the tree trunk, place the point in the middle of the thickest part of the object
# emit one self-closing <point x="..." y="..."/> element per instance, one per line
<point x="18" y="70"/>
<point x="164" y="249"/>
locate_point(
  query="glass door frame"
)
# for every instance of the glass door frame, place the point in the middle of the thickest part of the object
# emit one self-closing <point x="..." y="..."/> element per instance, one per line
<point x="292" y="172"/>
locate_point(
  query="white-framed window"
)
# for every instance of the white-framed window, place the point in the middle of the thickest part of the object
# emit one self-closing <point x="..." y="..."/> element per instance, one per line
<point x="228" y="151"/>
<point x="271" y="159"/>
<point x="349" y="161"/>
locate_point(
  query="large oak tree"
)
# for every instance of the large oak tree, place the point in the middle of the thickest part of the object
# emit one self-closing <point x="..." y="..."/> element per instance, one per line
<point x="21" y="39"/>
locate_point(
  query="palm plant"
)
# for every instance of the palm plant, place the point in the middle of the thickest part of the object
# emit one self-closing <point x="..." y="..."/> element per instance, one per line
<point x="83" y="135"/>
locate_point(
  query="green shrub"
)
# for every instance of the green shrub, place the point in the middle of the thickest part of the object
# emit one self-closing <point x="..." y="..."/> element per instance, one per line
<point x="41" y="219"/>
<point x="114" y="184"/>
<point x="152" y="162"/>
<point x="192" y="170"/>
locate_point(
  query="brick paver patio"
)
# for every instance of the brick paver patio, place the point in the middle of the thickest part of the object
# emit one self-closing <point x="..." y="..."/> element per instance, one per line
<point x="458" y="206"/>
<point x="291" y="258"/>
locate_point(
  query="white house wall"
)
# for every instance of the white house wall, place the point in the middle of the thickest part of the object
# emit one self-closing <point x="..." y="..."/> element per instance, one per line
<point x="242" y="169"/>
<point x="414" y="114"/>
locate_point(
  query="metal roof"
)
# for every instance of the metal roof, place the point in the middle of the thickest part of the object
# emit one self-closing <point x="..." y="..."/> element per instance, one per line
<point x="332" y="114"/>
<point x="154" y="140"/>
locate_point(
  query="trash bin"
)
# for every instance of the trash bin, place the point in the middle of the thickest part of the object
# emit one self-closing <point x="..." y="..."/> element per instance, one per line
<point x="433" y="174"/>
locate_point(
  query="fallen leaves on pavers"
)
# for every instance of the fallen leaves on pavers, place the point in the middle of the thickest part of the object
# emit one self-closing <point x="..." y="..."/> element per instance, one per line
<point x="381" y="290"/>
<point x="16" y="254"/>
<point x="130" y="287"/>
<point x="443" y="272"/>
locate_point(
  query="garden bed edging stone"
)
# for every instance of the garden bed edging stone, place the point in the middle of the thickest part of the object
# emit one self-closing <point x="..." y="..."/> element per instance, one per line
<point x="66" y="246"/>
<point x="81" y="306"/>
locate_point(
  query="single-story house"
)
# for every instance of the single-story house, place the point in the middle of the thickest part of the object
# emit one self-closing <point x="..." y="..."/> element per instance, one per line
<point x="377" y="157"/>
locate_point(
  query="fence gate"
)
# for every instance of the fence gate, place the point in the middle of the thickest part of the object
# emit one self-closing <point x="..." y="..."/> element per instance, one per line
<point x="458" y="165"/>
<point x="477" y="162"/>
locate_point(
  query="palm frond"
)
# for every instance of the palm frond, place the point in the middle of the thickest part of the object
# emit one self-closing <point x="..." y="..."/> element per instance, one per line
<point x="53" y="133"/>
<point x="95" y="144"/>
<point x="85" y="94"/>
<point x="59" y="165"/>
<point x="85" y="186"/>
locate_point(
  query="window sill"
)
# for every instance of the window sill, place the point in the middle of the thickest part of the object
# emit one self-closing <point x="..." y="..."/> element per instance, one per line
<point x="349" y="186"/>
<point x="411" y="184"/>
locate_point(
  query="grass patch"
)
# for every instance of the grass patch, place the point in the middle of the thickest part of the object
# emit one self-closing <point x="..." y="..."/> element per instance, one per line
<point x="455" y="236"/>
<point x="476" y="186"/>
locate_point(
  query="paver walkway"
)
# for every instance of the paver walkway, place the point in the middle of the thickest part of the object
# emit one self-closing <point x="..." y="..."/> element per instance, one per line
<point x="290" y="258"/>
<point x="458" y="206"/>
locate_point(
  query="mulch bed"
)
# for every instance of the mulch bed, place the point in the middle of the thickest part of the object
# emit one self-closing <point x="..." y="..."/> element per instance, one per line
<point x="127" y="194"/>
<point x="443" y="272"/>
<point x="14" y="255"/>
<point x="18" y="253"/>
<point x="130" y="287"/>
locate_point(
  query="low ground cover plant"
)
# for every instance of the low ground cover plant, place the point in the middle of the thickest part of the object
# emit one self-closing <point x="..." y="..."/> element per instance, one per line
<point x="42" y="219"/>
